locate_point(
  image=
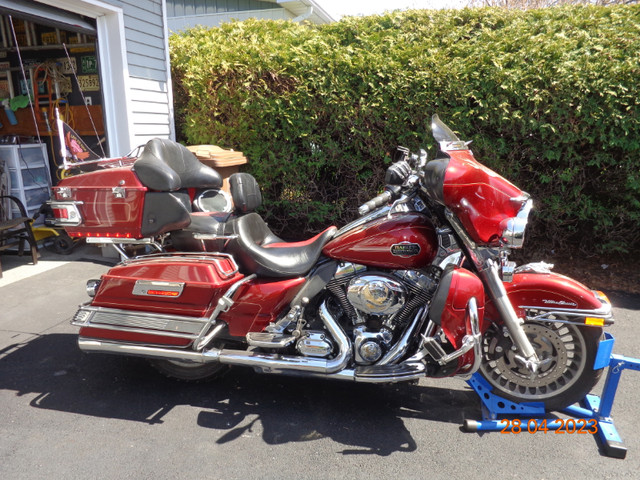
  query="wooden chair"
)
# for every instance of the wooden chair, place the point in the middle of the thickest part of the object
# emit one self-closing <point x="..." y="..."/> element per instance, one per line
<point x="15" y="231"/>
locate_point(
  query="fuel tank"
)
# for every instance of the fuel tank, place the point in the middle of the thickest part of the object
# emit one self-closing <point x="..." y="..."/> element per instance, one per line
<point x="405" y="241"/>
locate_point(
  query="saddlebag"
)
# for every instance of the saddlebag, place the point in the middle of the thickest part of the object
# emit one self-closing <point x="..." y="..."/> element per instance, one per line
<point x="163" y="300"/>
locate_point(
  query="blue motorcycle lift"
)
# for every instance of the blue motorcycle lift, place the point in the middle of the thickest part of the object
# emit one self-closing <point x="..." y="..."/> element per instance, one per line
<point x="590" y="408"/>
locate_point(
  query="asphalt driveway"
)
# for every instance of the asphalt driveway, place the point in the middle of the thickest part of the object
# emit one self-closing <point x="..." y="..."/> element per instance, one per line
<point x="65" y="414"/>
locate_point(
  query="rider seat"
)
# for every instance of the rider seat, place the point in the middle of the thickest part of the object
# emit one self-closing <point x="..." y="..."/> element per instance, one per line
<point x="257" y="250"/>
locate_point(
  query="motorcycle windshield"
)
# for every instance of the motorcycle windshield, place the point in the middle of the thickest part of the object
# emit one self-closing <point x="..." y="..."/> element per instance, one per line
<point x="442" y="133"/>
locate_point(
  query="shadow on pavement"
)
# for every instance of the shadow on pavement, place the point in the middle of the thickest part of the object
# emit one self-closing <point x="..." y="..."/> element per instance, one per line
<point x="289" y="409"/>
<point x="625" y="300"/>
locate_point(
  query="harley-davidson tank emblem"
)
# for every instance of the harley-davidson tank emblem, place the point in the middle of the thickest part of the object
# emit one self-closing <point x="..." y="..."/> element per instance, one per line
<point x="405" y="249"/>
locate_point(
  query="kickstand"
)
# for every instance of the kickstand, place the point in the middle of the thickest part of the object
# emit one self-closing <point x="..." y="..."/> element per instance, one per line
<point x="595" y="411"/>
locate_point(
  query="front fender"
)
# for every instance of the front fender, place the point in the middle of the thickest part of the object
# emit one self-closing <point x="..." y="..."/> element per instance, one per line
<point x="550" y="294"/>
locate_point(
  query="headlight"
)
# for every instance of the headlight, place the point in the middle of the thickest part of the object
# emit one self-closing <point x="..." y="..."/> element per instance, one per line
<point x="513" y="233"/>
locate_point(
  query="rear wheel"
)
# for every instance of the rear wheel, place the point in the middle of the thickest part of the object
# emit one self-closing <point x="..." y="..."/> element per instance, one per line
<point x="567" y="353"/>
<point x="188" y="371"/>
<point x="63" y="244"/>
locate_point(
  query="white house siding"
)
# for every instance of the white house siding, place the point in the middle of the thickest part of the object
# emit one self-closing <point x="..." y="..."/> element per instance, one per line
<point x="177" y="24"/>
<point x="151" y="100"/>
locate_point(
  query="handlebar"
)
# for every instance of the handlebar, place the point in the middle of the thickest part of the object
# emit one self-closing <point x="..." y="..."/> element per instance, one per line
<point x="382" y="199"/>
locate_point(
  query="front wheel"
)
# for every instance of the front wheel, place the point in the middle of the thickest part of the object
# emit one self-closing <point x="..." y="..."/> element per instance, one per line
<point x="567" y="353"/>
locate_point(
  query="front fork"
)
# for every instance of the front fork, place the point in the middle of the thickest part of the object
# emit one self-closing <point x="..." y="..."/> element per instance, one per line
<point x="498" y="293"/>
<point x="488" y="271"/>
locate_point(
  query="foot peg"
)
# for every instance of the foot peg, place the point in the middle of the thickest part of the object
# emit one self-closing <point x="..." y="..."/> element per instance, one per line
<point x="434" y="348"/>
<point x="269" y="340"/>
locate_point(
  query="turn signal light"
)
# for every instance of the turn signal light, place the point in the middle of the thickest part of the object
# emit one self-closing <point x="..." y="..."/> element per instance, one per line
<point x="594" y="321"/>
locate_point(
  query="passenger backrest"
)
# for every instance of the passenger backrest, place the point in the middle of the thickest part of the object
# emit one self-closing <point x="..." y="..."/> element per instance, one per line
<point x="166" y="166"/>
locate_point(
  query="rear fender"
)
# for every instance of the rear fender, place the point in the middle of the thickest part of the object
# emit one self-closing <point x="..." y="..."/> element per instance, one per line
<point x="551" y="295"/>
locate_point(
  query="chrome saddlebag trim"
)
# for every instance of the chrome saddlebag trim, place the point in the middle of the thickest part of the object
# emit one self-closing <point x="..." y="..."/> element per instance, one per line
<point x="139" y="322"/>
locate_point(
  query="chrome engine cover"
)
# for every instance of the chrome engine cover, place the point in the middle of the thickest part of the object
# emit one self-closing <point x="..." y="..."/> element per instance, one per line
<point x="376" y="294"/>
<point x="314" y="344"/>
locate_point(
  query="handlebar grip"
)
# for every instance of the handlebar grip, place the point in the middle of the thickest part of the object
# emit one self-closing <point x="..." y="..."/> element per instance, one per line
<point x="376" y="202"/>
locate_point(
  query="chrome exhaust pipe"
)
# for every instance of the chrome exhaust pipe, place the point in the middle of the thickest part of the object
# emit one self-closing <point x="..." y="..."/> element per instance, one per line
<point x="268" y="363"/>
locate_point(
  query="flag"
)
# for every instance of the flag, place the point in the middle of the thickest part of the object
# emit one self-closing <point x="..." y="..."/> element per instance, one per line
<point x="71" y="144"/>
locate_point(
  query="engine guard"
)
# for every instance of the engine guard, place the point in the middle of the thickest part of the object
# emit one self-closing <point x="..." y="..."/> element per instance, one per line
<point x="553" y="295"/>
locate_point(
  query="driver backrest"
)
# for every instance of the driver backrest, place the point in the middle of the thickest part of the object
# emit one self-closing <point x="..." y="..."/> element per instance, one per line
<point x="245" y="193"/>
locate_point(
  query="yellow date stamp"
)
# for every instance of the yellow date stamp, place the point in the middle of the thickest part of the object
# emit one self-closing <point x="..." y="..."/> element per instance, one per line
<point x="559" y="426"/>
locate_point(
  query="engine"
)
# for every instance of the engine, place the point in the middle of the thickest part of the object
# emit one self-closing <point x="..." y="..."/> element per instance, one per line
<point x="379" y="304"/>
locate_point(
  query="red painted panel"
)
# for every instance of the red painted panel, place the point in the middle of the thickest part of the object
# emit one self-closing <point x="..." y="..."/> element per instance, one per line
<point x="102" y="213"/>
<point x="548" y="291"/>
<point x="376" y="243"/>
<point x="205" y="281"/>
<point x="479" y="197"/>
<point x="464" y="285"/>
<point x="261" y="301"/>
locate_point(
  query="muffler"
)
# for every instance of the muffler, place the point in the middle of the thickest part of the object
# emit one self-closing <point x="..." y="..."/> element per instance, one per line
<point x="268" y="363"/>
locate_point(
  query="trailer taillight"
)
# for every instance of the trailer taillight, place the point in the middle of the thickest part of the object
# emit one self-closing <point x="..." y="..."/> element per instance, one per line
<point x="60" y="213"/>
<point x="65" y="213"/>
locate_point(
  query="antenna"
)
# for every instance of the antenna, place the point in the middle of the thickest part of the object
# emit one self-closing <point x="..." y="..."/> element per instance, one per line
<point x="95" y="130"/>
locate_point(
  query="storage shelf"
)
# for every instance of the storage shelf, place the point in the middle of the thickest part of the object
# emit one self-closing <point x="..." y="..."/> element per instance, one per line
<point x="28" y="168"/>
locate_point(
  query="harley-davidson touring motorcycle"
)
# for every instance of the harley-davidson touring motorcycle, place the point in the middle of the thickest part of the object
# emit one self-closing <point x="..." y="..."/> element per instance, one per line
<point x="420" y="285"/>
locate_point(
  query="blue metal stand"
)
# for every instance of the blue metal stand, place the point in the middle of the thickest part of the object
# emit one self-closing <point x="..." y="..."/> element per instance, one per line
<point x="595" y="411"/>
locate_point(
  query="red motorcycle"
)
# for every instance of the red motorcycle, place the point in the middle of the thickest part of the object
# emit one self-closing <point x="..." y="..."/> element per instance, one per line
<point x="419" y="285"/>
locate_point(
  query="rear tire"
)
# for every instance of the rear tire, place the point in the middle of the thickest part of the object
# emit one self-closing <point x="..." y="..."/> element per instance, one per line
<point x="188" y="371"/>
<point x="565" y="375"/>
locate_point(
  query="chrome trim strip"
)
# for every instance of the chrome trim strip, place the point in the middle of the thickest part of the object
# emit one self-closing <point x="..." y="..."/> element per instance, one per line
<point x="103" y="317"/>
<point x="181" y="256"/>
<point x="158" y="333"/>
<point x="606" y="317"/>
<point x="124" y="241"/>
<point x="604" y="312"/>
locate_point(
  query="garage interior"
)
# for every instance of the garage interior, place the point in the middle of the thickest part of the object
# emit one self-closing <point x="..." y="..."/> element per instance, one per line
<point x="49" y="56"/>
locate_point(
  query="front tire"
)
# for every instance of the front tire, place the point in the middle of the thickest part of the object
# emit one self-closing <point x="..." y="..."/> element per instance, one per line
<point x="566" y="374"/>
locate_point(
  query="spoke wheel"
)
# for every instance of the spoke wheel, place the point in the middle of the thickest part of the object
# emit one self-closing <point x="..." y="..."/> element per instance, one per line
<point x="565" y="375"/>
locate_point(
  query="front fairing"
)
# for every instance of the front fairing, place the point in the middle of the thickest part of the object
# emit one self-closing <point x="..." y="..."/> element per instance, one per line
<point x="491" y="209"/>
<point x="482" y="200"/>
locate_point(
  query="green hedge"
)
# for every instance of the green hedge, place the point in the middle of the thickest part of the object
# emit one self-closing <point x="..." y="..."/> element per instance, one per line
<point x="549" y="97"/>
